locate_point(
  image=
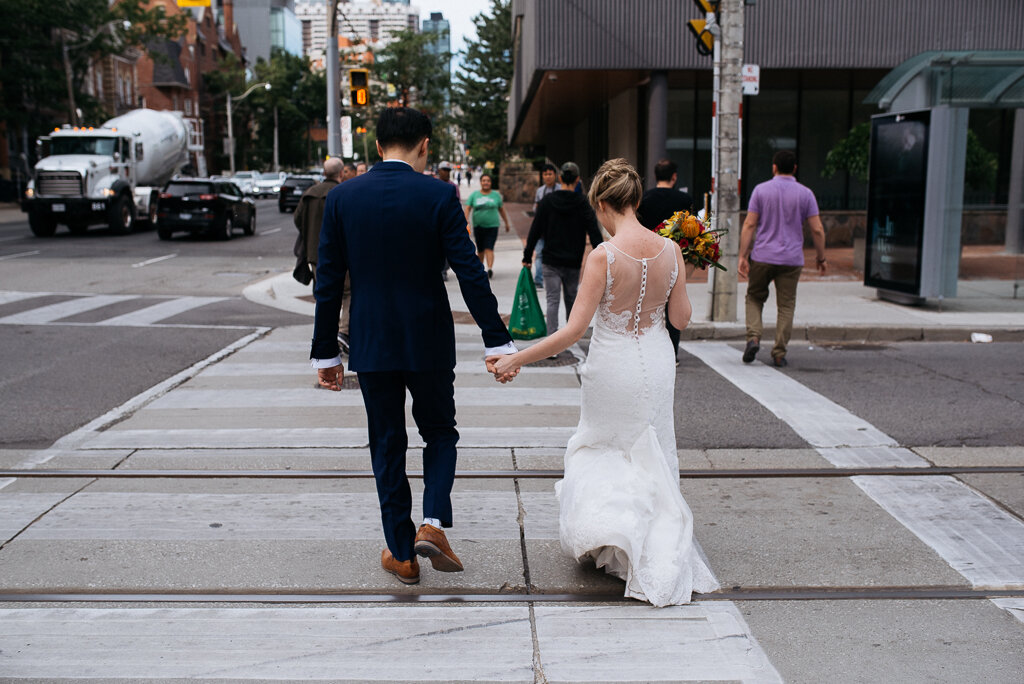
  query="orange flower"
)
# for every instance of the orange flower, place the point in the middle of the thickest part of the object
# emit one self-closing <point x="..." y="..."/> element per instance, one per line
<point x="690" y="227"/>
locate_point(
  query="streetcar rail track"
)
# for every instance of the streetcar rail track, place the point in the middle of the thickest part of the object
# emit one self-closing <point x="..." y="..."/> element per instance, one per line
<point x="702" y="473"/>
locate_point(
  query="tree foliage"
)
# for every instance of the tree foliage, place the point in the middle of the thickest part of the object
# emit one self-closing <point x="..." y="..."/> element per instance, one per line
<point x="33" y="86"/>
<point x="482" y="84"/>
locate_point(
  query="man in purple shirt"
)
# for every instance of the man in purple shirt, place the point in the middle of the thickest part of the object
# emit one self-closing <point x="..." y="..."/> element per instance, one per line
<point x="772" y="249"/>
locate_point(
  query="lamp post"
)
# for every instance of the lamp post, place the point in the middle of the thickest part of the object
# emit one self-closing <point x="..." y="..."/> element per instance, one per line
<point x="231" y="133"/>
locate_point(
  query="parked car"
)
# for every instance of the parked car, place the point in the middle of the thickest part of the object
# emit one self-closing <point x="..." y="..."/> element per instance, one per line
<point x="202" y="205"/>
<point x="268" y="184"/>
<point x="246" y="180"/>
<point x="291" y="190"/>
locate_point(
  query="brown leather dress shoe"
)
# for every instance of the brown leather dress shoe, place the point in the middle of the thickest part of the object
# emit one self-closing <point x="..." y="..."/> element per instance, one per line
<point x="407" y="572"/>
<point x="431" y="543"/>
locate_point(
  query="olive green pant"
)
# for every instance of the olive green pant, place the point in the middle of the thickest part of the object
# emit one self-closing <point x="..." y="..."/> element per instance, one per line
<point x="785" y="279"/>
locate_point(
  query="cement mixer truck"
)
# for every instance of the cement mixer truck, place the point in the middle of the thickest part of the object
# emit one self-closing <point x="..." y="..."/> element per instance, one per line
<point x="108" y="175"/>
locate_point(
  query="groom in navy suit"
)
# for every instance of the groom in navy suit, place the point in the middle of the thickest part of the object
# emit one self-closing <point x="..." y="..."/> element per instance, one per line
<point x="391" y="230"/>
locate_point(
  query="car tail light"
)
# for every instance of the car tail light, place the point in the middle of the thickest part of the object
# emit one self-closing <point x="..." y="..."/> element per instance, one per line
<point x="207" y="197"/>
<point x="166" y="195"/>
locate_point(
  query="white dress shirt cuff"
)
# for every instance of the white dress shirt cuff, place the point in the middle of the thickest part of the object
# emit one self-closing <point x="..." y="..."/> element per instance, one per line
<point x="325" y="363"/>
<point x="508" y="348"/>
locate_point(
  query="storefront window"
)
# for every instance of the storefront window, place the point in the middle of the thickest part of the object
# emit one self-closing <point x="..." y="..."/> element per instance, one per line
<point x="770" y="123"/>
<point x="824" y="115"/>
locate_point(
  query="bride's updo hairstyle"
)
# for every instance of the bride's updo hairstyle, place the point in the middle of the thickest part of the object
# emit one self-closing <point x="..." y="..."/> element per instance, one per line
<point x="618" y="185"/>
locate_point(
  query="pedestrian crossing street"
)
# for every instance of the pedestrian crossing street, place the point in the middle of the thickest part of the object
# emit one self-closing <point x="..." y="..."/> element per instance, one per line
<point x="258" y="408"/>
<point x="54" y="308"/>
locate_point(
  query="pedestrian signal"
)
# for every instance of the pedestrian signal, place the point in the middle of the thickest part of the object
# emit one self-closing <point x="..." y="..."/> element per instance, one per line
<point x="359" y="87"/>
<point x="699" y="27"/>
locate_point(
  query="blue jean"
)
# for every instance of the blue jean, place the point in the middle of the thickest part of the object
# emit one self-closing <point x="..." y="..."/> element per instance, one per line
<point x="538" y="264"/>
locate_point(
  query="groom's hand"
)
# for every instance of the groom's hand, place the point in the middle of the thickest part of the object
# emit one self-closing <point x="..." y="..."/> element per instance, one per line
<point x="330" y="378"/>
<point x="491" y="362"/>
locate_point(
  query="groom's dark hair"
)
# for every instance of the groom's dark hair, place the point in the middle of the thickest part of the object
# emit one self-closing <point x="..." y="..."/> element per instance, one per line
<point x="402" y="127"/>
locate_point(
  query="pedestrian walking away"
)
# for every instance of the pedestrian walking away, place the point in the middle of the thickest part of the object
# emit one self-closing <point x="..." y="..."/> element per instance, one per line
<point x="772" y="251"/>
<point x="620" y="507"/>
<point x="391" y="229"/>
<point x="548" y="184"/>
<point x="308" y="219"/>
<point x="483" y="208"/>
<point x="658" y="204"/>
<point x="563" y="220"/>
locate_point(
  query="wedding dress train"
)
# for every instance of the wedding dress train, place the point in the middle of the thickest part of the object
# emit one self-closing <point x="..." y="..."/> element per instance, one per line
<point x="620" y="503"/>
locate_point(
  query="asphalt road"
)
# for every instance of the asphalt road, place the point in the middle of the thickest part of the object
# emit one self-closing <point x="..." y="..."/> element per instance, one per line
<point x="60" y="375"/>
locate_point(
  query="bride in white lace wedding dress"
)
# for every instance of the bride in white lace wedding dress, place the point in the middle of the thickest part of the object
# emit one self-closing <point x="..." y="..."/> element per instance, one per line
<point x="620" y="503"/>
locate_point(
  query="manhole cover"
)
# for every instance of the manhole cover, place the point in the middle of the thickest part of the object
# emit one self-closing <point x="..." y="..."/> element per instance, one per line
<point x="563" y="359"/>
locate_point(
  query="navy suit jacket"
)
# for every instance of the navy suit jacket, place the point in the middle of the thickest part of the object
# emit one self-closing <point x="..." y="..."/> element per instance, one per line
<point x="391" y="229"/>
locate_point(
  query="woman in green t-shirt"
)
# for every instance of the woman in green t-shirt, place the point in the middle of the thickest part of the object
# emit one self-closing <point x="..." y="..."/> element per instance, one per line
<point x="484" y="206"/>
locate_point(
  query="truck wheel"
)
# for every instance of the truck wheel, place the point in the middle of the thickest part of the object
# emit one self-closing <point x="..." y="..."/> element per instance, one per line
<point x="151" y="214"/>
<point x="164" y="233"/>
<point x="42" y="226"/>
<point x="250" y="228"/>
<point x="121" y="215"/>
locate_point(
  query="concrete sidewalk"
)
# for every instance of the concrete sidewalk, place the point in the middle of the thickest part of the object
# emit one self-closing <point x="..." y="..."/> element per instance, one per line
<point x="834" y="308"/>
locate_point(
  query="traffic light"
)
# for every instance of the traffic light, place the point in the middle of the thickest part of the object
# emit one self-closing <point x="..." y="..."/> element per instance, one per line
<point x="705" y="40"/>
<point x="359" y="87"/>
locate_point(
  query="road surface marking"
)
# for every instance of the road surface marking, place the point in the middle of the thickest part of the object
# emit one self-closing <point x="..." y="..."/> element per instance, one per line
<point x="158" y="312"/>
<point x="154" y="260"/>
<point x="976" y="537"/>
<point x="19" y="255"/>
<point x="54" y="312"/>
<point x="269" y="232"/>
<point x="11" y="296"/>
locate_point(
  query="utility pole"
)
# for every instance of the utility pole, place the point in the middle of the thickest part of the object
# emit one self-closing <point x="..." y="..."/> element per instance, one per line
<point x="726" y="162"/>
<point x="333" y="82"/>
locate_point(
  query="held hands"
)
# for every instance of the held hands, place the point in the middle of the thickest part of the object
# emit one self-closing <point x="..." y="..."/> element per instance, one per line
<point x="509" y="370"/>
<point x="330" y="378"/>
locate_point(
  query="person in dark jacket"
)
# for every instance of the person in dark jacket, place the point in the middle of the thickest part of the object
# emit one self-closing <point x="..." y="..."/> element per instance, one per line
<point x="309" y="216"/>
<point x="658" y="204"/>
<point x="563" y="220"/>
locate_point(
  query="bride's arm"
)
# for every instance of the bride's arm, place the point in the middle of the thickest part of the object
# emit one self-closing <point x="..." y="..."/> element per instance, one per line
<point x="679" y="307"/>
<point x="591" y="289"/>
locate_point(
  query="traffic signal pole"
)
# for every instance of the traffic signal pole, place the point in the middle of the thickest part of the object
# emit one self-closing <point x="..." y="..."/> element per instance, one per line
<point x="725" y="155"/>
<point x="333" y="82"/>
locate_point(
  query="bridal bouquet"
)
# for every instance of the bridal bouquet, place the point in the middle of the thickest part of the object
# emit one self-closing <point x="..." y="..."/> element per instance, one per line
<point x="697" y="240"/>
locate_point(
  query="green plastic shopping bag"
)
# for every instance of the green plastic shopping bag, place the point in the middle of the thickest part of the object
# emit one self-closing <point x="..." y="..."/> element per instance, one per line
<point x="527" y="319"/>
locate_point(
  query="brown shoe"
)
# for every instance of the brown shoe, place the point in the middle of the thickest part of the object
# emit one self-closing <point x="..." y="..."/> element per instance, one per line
<point x="431" y="543"/>
<point x="407" y="572"/>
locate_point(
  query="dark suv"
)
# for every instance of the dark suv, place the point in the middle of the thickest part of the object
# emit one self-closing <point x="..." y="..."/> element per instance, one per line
<point x="291" y="190"/>
<point x="204" y="205"/>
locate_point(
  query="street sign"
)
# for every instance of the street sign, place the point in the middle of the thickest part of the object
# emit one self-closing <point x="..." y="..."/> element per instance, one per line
<point x="751" y="77"/>
<point x="346" y="137"/>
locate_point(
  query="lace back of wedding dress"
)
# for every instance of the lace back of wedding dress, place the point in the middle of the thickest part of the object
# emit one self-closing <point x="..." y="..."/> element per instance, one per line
<point x="637" y="290"/>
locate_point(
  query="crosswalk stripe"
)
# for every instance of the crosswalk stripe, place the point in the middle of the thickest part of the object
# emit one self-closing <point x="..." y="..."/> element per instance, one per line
<point x="54" y="312"/>
<point x="498" y="396"/>
<point x="303" y="368"/>
<point x="8" y="297"/>
<point x="977" y="538"/>
<point x="158" y="312"/>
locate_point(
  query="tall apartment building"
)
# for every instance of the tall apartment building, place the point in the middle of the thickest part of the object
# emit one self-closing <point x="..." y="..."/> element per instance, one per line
<point x="369" y="23"/>
<point x="268" y="24"/>
<point x="441" y="26"/>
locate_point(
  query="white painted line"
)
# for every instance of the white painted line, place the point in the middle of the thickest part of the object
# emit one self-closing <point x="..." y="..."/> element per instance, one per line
<point x="18" y="509"/>
<point x="1014" y="606"/>
<point x="842" y="438"/>
<point x="251" y="516"/>
<point x="74" y="440"/>
<point x="463" y="643"/>
<point x="158" y="312"/>
<point x="309" y="438"/>
<point x="696" y="642"/>
<point x="977" y="538"/>
<point x="154" y="260"/>
<point x="19" y="255"/>
<point x="500" y="396"/>
<point x="6" y="481"/>
<point x="301" y="367"/>
<point x="10" y="296"/>
<point x="268" y="232"/>
<point x="54" y="312"/>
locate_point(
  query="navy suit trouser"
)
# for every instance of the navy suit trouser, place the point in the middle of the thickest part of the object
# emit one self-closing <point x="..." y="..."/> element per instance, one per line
<point x="433" y="409"/>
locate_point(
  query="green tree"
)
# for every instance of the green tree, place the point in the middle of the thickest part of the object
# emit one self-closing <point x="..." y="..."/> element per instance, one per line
<point x="33" y="85"/>
<point x="482" y="84"/>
